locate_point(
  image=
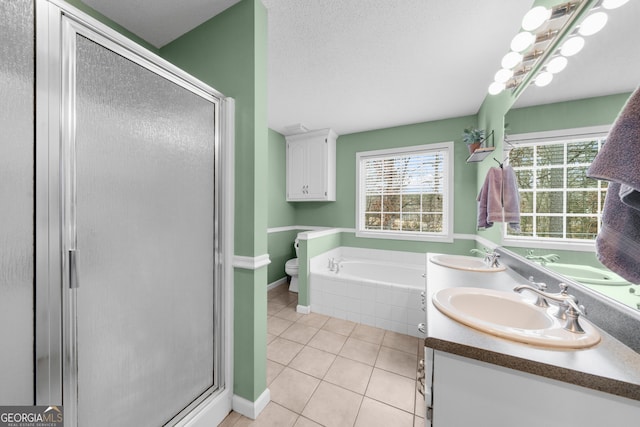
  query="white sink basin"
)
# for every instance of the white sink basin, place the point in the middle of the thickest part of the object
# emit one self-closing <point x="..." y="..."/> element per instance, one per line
<point x="508" y="315"/>
<point x="467" y="263"/>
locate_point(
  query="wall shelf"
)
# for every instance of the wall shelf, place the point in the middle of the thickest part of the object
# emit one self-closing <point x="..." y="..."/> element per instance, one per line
<point x="480" y="154"/>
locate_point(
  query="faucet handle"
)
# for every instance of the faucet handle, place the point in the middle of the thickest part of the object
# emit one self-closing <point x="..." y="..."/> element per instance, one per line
<point x="541" y="286"/>
<point x="563" y="288"/>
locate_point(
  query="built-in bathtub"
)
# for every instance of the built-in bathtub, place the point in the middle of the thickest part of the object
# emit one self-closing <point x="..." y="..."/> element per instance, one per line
<point x="602" y="280"/>
<point x="373" y="287"/>
<point x="587" y="274"/>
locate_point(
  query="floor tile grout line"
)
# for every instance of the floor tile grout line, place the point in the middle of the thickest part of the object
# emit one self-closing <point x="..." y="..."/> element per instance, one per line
<point x="379" y="345"/>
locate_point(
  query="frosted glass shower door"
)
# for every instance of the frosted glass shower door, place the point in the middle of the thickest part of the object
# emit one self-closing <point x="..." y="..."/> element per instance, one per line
<point x="16" y="202"/>
<point x="141" y="213"/>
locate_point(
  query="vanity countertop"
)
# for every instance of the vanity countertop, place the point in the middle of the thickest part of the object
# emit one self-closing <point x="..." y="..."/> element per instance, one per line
<point x="609" y="366"/>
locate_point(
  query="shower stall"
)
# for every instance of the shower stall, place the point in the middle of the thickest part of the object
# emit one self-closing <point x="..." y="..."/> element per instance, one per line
<point x="129" y="308"/>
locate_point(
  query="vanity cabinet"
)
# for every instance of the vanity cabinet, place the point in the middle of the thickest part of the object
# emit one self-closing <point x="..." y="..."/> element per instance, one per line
<point x="311" y="166"/>
<point x="466" y="392"/>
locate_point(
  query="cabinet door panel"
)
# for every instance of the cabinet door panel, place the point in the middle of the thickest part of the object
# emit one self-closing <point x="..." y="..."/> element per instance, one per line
<point x="296" y="173"/>
<point x="467" y="392"/>
<point x="317" y="168"/>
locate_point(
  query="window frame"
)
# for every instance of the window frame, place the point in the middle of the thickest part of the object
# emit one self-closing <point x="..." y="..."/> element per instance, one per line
<point x="446" y="236"/>
<point x="549" y="137"/>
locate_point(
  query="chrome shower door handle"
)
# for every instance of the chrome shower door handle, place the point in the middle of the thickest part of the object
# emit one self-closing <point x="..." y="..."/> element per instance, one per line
<point x="73" y="269"/>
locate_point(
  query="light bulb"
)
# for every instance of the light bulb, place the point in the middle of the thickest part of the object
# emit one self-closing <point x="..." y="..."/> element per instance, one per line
<point x="522" y="41"/>
<point x="557" y="64"/>
<point x="511" y="59"/>
<point x="495" y="88"/>
<point x="535" y="18"/>
<point x="503" y="75"/>
<point x="572" y="46"/>
<point x="593" y="23"/>
<point x="543" y="79"/>
<point x="613" y="4"/>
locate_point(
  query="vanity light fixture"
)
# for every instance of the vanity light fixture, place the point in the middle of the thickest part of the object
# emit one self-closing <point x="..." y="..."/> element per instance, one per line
<point x="530" y="49"/>
<point x="540" y="27"/>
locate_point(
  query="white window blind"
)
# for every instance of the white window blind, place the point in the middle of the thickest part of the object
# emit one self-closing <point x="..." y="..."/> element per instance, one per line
<point x="406" y="192"/>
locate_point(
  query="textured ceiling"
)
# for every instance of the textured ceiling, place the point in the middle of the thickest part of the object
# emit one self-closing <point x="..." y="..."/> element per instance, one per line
<point x="342" y="65"/>
<point x="357" y="65"/>
<point x="160" y="21"/>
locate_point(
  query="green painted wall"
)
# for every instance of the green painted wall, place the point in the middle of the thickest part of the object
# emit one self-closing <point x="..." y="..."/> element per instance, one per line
<point x="468" y="176"/>
<point x="281" y="212"/>
<point x="491" y="118"/>
<point x="229" y="52"/>
<point x="459" y="246"/>
<point x="562" y="115"/>
<point x="309" y="249"/>
<point x="341" y="213"/>
<point x="566" y="115"/>
<point x="280" y="251"/>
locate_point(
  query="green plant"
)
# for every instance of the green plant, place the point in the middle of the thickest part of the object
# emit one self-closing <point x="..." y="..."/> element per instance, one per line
<point x="470" y="135"/>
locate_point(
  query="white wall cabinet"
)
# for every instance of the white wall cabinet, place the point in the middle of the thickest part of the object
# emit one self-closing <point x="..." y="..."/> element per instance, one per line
<point x="466" y="392"/>
<point x="311" y="166"/>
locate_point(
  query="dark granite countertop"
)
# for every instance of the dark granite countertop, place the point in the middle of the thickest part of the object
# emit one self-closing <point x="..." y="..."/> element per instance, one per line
<point x="609" y="366"/>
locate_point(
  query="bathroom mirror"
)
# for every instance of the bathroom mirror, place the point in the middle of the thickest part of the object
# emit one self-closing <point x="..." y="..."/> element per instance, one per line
<point x="609" y="64"/>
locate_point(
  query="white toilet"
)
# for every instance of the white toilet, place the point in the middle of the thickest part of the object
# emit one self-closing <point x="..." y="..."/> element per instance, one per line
<point x="291" y="268"/>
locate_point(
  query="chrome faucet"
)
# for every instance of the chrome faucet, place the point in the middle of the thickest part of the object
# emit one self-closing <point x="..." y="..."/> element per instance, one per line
<point x="542" y="259"/>
<point x="540" y="301"/>
<point x="490" y="258"/>
<point x="334" y="265"/>
<point x="568" y="308"/>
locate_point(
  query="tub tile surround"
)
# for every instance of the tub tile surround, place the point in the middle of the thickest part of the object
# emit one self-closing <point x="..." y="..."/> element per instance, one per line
<point x="347" y="374"/>
<point x="617" y="319"/>
<point x="378" y="304"/>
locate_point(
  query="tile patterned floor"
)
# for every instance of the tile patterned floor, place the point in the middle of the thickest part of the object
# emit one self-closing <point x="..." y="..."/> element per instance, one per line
<point x="323" y="371"/>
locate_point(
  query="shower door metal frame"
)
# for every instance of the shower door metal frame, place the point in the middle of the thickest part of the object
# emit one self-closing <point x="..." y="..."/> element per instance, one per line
<point x="57" y="24"/>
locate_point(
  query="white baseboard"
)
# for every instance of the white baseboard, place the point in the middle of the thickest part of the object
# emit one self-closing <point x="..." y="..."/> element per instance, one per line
<point x="304" y="309"/>
<point x="251" y="409"/>
<point x="277" y="283"/>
